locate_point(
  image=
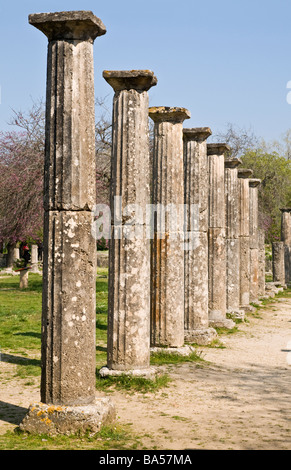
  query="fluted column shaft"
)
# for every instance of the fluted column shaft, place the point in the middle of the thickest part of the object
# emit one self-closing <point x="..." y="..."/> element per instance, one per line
<point x="216" y="236"/>
<point x="129" y="249"/>
<point x="286" y="239"/>
<point x="69" y="264"/>
<point x="232" y="235"/>
<point x="244" y="240"/>
<point x="167" y="253"/>
<point x="196" y="192"/>
<point x="254" y="239"/>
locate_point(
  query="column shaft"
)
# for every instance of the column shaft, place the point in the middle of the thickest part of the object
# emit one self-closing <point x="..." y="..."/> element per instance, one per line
<point x="232" y="237"/>
<point x="244" y="239"/>
<point x="216" y="237"/>
<point x="196" y="192"/>
<point x="69" y="265"/>
<point x="167" y="254"/>
<point x="254" y="240"/>
<point x="129" y="256"/>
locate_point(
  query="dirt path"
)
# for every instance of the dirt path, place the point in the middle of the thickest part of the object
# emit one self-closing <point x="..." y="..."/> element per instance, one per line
<point x="239" y="400"/>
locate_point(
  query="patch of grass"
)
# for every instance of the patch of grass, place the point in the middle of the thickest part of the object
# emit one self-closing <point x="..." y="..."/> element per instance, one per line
<point x="132" y="384"/>
<point x="114" y="437"/>
<point x="226" y="331"/>
<point x="160" y="358"/>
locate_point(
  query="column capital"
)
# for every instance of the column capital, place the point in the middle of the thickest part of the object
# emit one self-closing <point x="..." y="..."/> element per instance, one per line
<point x="68" y="25"/>
<point x="196" y="133"/>
<point x="254" y="182"/>
<point x="217" y="148"/>
<point x="168" y="114"/>
<point x="244" y="172"/>
<point x="140" y="80"/>
<point x="232" y="162"/>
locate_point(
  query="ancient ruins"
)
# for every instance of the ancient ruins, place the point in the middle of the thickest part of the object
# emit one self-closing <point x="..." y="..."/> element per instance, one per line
<point x="193" y="262"/>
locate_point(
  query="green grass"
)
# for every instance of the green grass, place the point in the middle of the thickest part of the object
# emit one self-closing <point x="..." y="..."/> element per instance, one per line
<point x="132" y="384"/>
<point x="114" y="437"/>
<point x="160" y="358"/>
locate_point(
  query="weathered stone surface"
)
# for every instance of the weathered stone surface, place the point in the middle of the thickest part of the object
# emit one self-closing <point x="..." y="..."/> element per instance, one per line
<point x="70" y="25"/>
<point x="216" y="237"/>
<point x="70" y="120"/>
<point x="254" y="274"/>
<point x="232" y="237"/>
<point x="244" y="235"/>
<point x="254" y="239"/>
<point x="196" y="194"/>
<point x="69" y="263"/>
<point x="216" y="154"/>
<point x="217" y="275"/>
<point x="34" y="258"/>
<point x="128" y="304"/>
<point x="23" y="281"/>
<point x="167" y="254"/>
<point x="262" y="264"/>
<point x="139" y="80"/>
<point x="278" y="261"/>
<point x="287" y="264"/>
<point x="52" y="420"/>
<point x="129" y="257"/>
<point x="244" y="285"/>
<point x="254" y="212"/>
<point x="69" y="309"/>
<point x="196" y="321"/>
<point x="286" y="226"/>
<point x="167" y="290"/>
<point x="196" y="185"/>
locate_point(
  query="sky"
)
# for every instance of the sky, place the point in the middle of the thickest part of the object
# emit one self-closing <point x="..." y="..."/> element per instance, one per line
<point x="226" y="61"/>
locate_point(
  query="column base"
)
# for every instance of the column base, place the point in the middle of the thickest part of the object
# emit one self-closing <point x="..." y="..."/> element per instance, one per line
<point x="149" y="373"/>
<point x="223" y="323"/>
<point x="185" y="350"/>
<point x="58" y="419"/>
<point x="236" y="314"/>
<point x="201" y="336"/>
<point x="249" y="309"/>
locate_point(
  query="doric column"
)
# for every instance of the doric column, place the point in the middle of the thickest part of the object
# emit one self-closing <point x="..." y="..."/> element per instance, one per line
<point x="286" y="226"/>
<point x="34" y="258"/>
<point x="262" y="264"/>
<point x="278" y="262"/>
<point x="232" y="238"/>
<point x="196" y="190"/>
<point x="216" y="237"/>
<point x="244" y="239"/>
<point x="69" y="268"/>
<point x="254" y="239"/>
<point x="167" y="258"/>
<point x="286" y="239"/>
<point x="129" y="249"/>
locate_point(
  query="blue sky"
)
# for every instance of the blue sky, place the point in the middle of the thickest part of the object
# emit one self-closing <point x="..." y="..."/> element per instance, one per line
<point x="226" y="61"/>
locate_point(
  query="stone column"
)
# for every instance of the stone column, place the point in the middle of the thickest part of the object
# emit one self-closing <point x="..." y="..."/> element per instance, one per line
<point x="167" y="254"/>
<point x="69" y="268"/>
<point x="244" y="239"/>
<point x="196" y="190"/>
<point x="232" y="238"/>
<point x="216" y="237"/>
<point x="34" y="258"/>
<point x="23" y="280"/>
<point x="129" y="249"/>
<point x="278" y="262"/>
<point x="262" y="264"/>
<point x="254" y="239"/>
<point x="286" y="226"/>
<point x="286" y="239"/>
